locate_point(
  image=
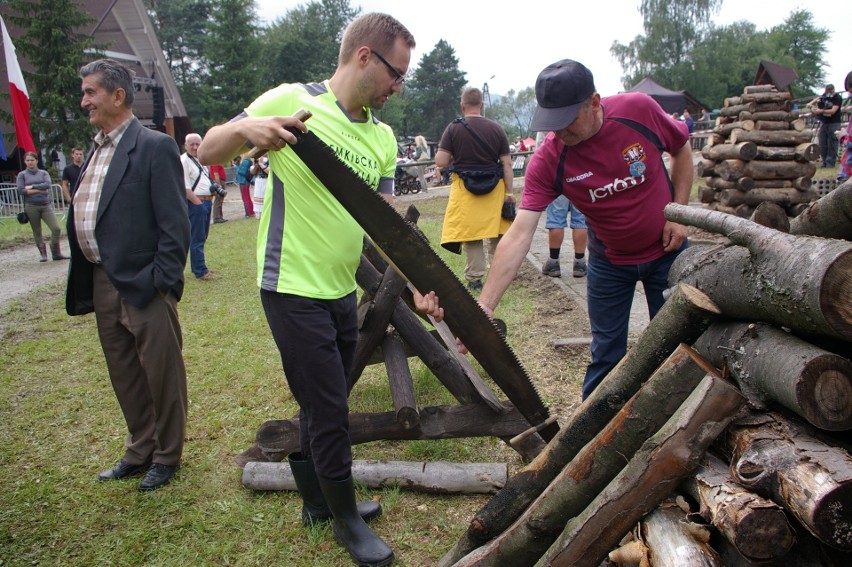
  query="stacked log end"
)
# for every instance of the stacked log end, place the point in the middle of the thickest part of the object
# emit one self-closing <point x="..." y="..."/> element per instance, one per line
<point x="759" y="151"/>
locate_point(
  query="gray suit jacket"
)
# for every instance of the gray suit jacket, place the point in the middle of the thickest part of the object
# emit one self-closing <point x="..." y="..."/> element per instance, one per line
<point x="142" y="226"/>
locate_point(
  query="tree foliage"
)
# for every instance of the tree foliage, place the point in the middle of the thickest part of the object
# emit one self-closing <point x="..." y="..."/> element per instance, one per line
<point x="302" y="46"/>
<point x="54" y="44"/>
<point x="181" y="27"/>
<point x="514" y="112"/>
<point x="433" y="93"/>
<point x="683" y="50"/>
<point x="233" y="68"/>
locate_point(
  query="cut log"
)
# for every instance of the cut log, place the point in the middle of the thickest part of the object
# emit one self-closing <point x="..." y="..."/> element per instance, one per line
<point x="735" y="109"/>
<point x="813" y="383"/>
<point x="724" y="130"/>
<point x="432" y="477"/>
<point x="400" y="382"/>
<point x="829" y="217"/>
<point x="772" y="125"/>
<point x="770" y="115"/>
<point x="596" y="464"/>
<point x="805" y="152"/>
<point x="772" y="106"/>
<point x="771" y="215"/>
<point x="745" y="151"/>
<point x="705" y="168"/>
<point x="743" y="183"/>
<point x="772" y="138"/>
<point x="674" y="540"/>
<point x="779" y="459"/>
<point x="279" y="437"/>
<point x="732" y="101"/>
<point x="758" y="195"/>
<point x="751" y="89"/>
<point x="682" y="319"/>
<point x="757" y="527"/>
<point x="732" y="169"/>
<point x="652" y="474"/>
<point x="706" y="194"/>
<point x="799" y="282"/>
<point x="800" y="183"/>
<point x="764" y="97"/>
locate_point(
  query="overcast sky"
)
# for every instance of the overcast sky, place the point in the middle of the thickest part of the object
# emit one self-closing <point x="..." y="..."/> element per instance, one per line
<point x="507" y="44"/>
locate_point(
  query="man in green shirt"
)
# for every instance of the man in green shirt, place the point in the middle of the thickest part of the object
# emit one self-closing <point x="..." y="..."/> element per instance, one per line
<point x="306" y="273"/>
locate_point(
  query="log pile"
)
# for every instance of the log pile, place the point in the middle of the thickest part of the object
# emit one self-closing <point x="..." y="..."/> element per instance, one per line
<point x="759" y="151"/>
<point x="733" y="451"/>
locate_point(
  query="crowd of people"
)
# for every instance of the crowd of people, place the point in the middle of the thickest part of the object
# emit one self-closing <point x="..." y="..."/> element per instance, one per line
<point x="600" y="164"/>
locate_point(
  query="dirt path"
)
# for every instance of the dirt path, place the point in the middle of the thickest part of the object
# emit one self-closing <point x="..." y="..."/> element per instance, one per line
<point x="21" y="272"/>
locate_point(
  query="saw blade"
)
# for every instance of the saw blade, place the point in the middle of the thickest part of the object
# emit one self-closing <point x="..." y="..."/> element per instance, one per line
<point x="407" y="249"/>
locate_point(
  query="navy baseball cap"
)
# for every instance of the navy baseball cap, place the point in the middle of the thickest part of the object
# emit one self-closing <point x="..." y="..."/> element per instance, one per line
<point x="561" y="89"/>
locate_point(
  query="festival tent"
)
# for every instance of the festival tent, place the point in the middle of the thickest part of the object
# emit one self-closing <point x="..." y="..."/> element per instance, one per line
<point x="671" y="101"/>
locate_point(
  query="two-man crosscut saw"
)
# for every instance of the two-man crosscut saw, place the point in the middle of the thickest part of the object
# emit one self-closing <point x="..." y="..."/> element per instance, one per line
<point x="407" y="249"/>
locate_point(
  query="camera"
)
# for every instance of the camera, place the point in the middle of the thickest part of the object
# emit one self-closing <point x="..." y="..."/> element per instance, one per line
<point x="824" y="102"/>
<point x="216" y="190"/>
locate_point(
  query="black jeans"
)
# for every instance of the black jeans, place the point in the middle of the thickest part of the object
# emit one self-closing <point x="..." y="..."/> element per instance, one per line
<point x="317" y="339"/>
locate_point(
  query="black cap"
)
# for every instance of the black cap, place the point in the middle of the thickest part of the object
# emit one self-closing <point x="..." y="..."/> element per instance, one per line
<point x="560" y="91"/>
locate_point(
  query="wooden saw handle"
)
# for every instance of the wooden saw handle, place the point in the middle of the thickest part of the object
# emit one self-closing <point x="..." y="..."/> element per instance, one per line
<point x="256" y="152"/>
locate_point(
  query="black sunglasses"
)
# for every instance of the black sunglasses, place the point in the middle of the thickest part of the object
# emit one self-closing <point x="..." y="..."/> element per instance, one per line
<point x="399" y="78"/>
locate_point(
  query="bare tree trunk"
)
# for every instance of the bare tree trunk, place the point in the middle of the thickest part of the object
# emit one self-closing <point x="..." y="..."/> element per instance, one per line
<point x="804" y="152"/>
<point x="595" y="465"/>
<point x="778" y="459"/>
<point x="434" y="478"/>
<point x="758" y="195"/>
<point x="746" y="151"/>
<point x="682" y="319"/>
<point x="651" y="474"/>
<point x="829" y="217"/>
<point x="772" y="138"/>
<point x="798" y="282"/>
<point x="732" y="169"/>
<point x="812" y="382"/>
<point x="757" y="527"/>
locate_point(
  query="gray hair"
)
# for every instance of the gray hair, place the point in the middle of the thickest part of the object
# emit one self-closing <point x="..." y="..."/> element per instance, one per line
<point x="113" y="75"/>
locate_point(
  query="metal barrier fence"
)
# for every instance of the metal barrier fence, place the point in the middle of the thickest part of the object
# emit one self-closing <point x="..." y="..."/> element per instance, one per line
<point x="12" y="203"/>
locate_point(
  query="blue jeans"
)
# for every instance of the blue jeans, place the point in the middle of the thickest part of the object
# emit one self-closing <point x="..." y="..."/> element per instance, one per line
<point x="199" y="227"/>
<point x="610" y="290"/>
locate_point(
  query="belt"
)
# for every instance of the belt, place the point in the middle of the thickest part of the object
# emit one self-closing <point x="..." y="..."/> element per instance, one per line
<point x="205" y="197"/>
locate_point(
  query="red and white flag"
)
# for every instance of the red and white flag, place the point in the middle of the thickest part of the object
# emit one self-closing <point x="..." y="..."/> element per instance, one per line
<point x="18" y="93"/>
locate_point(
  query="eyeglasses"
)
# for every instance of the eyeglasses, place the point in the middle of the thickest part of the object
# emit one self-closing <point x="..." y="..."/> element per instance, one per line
<point x="399" y="78"/>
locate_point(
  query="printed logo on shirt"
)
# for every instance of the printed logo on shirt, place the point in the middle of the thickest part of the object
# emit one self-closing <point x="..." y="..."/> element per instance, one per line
<point x="367" y="168"/>
<point x="617" y="186"/>
<point x="635" y="157"/>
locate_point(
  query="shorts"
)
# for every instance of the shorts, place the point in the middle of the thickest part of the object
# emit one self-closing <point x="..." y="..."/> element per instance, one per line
<point x="557" y="214"/>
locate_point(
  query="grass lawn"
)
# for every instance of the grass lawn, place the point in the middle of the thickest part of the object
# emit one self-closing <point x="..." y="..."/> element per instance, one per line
<point x="61" y="425"/>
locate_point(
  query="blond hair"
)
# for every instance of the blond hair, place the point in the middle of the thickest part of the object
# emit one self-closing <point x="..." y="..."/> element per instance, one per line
<point x="376" y="31"/>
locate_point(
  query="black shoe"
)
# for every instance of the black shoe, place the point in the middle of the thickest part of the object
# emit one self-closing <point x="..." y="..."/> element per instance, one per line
<point x="475" y="285"/>
<point x="314" y="507"/>
<point x="158" y="475"/>
<point x="123" y="470"/>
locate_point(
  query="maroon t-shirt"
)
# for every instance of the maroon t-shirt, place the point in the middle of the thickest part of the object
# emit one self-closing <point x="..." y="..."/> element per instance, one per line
<point x="616" y="178"/>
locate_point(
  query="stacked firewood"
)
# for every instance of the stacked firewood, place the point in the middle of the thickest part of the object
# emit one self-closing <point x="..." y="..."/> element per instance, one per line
<point x="727" y="452"/>
<point x="759" y="151"/>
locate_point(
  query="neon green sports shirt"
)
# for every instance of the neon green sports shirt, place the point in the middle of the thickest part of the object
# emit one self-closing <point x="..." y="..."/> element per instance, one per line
<point x="314" y="249"/>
